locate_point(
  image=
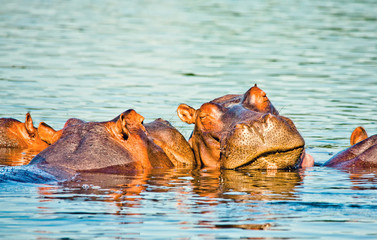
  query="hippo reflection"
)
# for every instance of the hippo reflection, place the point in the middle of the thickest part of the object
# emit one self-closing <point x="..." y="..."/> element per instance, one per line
<point x="122" y="145"/>
<point x="185" y="188"/>
<point x="362" y="153"/>
<point x="243" y="132"/>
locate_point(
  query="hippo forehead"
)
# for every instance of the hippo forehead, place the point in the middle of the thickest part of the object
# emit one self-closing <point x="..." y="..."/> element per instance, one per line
<point x="85" y="129"/>
<point x="239" y="114"/>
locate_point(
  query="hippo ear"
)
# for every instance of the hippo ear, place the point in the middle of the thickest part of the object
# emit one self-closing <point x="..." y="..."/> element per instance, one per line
<point x="29" y="126"/>
<point x="358" y="135"/>
<point x="186" y="113"/>
<point x="46" y="133"/>
<point x="256" y="99"/>
<point x="121" y="127"/>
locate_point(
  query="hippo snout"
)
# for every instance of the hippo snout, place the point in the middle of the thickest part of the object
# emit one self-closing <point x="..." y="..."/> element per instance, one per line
<point x="262" y="143"/>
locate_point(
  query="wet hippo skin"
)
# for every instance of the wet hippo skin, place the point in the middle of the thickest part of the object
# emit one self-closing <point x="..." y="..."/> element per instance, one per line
<point x="50" y="136"/>
<point x="362" y="154"/>
<point x="243" y="132"/>
<point x="122" y="145"/>
<point x="16" y="134"/>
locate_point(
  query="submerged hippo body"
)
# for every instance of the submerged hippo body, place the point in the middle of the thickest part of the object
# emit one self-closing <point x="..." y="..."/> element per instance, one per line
<point x="243" y="132"/>
<point x="362" y="154"/>
<point x="121" y="145"/>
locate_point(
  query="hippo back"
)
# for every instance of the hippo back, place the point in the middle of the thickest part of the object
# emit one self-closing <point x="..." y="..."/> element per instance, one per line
<point x="361" y="155"/>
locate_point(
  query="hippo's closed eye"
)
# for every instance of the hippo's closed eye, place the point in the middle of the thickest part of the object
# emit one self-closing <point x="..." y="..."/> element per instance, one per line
<point x="203" y="116"/>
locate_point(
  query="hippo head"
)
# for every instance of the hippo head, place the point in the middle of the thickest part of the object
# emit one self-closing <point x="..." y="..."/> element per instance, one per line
<point x="16" y="134"/>
<point x="121" y="145"/>
<point x="242" y="132"/>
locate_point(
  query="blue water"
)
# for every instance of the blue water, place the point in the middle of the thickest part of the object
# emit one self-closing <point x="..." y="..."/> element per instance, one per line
<point x="316" y="60"/>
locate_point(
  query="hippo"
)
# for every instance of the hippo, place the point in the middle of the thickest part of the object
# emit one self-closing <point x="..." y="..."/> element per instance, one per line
<point x="361" y="155"/>
<point x="243" y="131"/>
<point x="20" y="142"/>
<point x="50" y="135"/>
<point x="18" y="135"/>
<point x="124" y="145"/>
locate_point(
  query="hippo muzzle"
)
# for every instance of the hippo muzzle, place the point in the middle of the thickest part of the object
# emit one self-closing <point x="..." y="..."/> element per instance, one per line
<point x="270" y="142"/>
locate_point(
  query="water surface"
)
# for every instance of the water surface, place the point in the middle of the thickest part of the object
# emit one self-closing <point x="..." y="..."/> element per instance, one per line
<point x="317" y="61"/>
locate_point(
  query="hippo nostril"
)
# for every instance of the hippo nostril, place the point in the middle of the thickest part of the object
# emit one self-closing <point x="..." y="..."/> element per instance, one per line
<point x="267" y="117"/>
<point x="241" y="126"/>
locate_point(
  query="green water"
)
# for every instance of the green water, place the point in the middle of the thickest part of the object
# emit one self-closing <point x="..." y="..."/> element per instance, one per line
<point x="316" y="60"/>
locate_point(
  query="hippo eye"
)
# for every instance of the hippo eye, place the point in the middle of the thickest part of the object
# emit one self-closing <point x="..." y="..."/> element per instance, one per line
<point x="216" y="138"/>
<point x="203" y="116"/>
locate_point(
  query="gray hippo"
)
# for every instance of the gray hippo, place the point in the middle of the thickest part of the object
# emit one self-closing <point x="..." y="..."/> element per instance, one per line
<point x="243" y="131"/>
<point x="124" y="145"/>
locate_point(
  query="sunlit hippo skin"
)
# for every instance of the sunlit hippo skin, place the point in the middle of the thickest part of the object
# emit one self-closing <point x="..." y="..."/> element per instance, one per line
<point x="243" y="132"/>
<point x="361" y="155"/>
<point x="50" y="135"/>
<point x="172" y="142"/>
<point x="119" y="146"/>
<point x="20" y="142"/>
<point x="21" y="135"/>
<point x="160" y="131"/>
<point x="358" y="135"/>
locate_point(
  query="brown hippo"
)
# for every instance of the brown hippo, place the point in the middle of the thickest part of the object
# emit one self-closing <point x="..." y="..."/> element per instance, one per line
<point x="362" y="154"/>
<point x="20" y="142"/>
<point x="122" y="145"/>
<point x="243" y="132"/>
<point x="16" y="134"/>
<point x="50" y="135"/>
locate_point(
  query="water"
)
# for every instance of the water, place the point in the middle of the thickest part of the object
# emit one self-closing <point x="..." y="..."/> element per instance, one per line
<point x="317" y="61"/>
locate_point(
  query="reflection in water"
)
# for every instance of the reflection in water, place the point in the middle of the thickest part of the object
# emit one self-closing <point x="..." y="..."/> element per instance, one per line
<point x="203" y="199"/>
<point x="16" y="157"/>
<point x="189" y="191"/>
<point x="247" y="185"/>
<point x="363" y="179"/>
